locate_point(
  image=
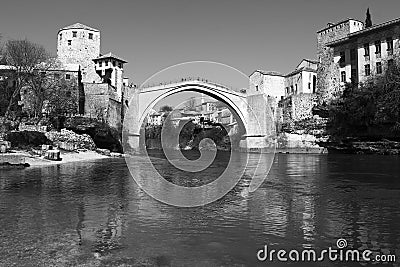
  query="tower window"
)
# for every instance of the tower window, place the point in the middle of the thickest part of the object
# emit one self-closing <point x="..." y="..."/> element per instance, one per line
<point x="343" y="76"/>
<point x="67" y="76"/>
<point x="367" y="70"/>
<point x="90" y="36"/>
<point x="74" y="33"/>
<point x="378" y="67"/>
<point x="69" y="42"/>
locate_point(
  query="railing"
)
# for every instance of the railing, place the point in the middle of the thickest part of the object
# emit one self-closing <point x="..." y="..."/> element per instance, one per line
<point x="190" y="79"/>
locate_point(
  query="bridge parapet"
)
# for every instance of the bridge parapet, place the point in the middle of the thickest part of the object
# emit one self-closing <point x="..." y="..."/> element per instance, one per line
<point x="197" y="80"/>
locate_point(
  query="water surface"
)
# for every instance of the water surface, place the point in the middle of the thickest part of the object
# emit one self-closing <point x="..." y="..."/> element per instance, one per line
<point x="93" y="214"/>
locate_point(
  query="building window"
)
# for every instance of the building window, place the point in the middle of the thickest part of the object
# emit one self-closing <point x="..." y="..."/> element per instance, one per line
<point x="343" y="76"/>
<point x="342" y="57"/>
<point x="353" y="75"/>
<point x="291" y="89"/>
<point x="309" y="85"/>
<point x="100" y="63"/>
<point x="377" y="47"/>
<point x="367" y="70"/>
<point x="390" y="63"/>
<point x="353" y="54"/>
<point x="120" y="65"/>
<point x="91" y="36"/>
<point x="366" y="50"/>
<point x="67" y="76"/>
<point x="60" y="36"/>
<point x="287" y="90"/>
<point x="74" y="34"/>
<point x="378" y="67"/>
<point x="69" y="42"/>
<point x="256" y="87"/>
<point x="114" y="63"/>
<point x="106" y="63"/>
<point x="314" y="84"/>
<point x="389" y="42"/>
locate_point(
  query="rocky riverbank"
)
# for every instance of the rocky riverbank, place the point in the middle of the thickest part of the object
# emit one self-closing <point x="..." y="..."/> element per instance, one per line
<point x="351" y="145"/>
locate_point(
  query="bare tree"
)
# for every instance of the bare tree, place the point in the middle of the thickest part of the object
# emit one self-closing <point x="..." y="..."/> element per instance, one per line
<point x="24" y="57"/>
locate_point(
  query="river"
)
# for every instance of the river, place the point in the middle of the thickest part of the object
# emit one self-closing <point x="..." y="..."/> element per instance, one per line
<point x="94" y="214"/>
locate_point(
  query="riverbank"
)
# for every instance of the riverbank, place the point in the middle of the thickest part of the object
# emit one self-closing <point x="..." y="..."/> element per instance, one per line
<point x="22" y="158"/>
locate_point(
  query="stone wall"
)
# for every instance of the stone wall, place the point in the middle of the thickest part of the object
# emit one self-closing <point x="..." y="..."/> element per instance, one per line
<point x="100" y="103"/>
<point x="35" y="128"/>
<point x="297" y="107"/>
<point x="327" y="71"/>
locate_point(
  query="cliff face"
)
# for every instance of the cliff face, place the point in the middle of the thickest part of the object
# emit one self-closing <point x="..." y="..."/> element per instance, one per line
<point x="305" y="136"/>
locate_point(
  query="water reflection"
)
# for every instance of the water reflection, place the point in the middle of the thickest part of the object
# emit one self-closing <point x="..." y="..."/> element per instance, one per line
<point x="93" y="213"/>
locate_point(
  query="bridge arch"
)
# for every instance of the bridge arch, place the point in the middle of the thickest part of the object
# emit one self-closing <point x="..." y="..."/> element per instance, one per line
<point x="235" y="101"/>
<point x="144" y="100"/>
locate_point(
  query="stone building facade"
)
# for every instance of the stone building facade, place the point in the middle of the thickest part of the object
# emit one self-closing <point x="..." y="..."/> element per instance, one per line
<point x="104" y="87"/>
<point x="293" y="93"/>
<point x="366" y="53"/>
<point x="328" y="73"/>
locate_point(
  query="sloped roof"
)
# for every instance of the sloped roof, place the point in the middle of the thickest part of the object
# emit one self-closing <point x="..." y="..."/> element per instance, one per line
<point x="300" y="70"/>
<point x="110" y="55"/>
<point x="271" y="73"/>
<point x="79" y="26"/>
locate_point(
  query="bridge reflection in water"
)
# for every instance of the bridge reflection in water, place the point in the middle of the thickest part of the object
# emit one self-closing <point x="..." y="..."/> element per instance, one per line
<point x="86" y="213"/>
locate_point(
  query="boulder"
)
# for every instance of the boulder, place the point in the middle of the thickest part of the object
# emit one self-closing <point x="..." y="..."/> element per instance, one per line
<point x="26" y="139"/>
<point x="69" y="140"/>
<point x="103" y="135"/>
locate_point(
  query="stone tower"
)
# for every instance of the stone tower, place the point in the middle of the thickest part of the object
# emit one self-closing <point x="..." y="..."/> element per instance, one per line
<point x="79" y="44"/>
<point x="327" y="71"/>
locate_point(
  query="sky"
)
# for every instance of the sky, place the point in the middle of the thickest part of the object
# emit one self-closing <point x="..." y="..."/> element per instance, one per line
<point x="152" y="35"/>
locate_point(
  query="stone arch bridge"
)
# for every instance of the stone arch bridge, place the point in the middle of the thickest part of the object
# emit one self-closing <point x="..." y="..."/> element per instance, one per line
<point x="251" y="110"/>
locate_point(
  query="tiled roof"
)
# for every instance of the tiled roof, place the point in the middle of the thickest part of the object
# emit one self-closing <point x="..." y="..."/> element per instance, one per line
<point x="110" y="55"/>
<point x="79" y="26"/>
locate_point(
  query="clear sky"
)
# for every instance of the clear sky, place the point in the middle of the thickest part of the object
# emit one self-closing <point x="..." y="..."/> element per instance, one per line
<point x="152" y="35"/>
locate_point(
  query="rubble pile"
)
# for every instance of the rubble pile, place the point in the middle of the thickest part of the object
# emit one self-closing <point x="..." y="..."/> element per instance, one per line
<point x="69" y="140"/>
